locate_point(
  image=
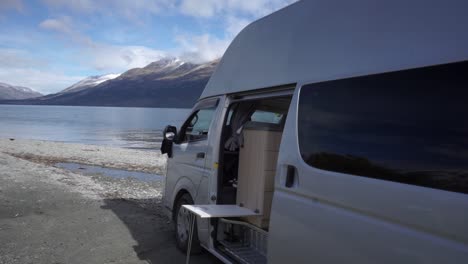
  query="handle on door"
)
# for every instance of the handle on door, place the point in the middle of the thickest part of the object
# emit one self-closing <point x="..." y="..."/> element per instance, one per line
<point x="200" y="155"/>
<point x="290" y="176"/>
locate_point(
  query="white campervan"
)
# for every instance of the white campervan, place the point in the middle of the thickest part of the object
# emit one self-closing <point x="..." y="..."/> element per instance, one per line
<point x="331" y="132"/>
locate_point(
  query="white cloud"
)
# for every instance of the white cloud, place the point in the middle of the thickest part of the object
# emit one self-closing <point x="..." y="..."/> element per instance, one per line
<point x="133" y="10"/>
<point x="43" y="81"/>
<point x="60" y="25"/>
<point x="64" y="25"/>
<point x="108" y="58"/>
<point x="14" y="58"/>
<point x="19" y="67"/>
<point x="235" y="14"/>
<point x="205" y="8"/>
<point x="209" y="8"/>
<point x="200" y="48"/>
<point x="234" y="25"/>
<point x="100" y="56"/>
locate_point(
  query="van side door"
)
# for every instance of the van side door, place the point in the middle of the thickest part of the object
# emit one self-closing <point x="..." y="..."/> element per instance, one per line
<point x="374" y="169"/>
<point x="186" y="169"/>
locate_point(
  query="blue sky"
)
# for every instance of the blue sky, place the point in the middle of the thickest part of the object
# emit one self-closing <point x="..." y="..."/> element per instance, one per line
<point x="48" y="45"/>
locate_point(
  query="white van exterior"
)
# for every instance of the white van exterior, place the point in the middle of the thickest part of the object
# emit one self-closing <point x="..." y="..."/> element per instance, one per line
<point x="371" y="100"/>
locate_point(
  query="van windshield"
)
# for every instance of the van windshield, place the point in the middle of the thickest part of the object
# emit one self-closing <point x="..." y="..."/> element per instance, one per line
<point x="408" y="126"/>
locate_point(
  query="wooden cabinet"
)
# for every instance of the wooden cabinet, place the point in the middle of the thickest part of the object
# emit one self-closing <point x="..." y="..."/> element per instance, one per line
<point x="257" y="168"/>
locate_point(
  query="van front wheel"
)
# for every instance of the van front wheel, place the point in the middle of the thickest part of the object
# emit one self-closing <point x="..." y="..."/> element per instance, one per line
<point x="182" y="226"/>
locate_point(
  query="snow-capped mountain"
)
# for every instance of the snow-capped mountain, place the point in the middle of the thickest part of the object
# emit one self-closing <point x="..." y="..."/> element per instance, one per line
<point x="89" y="82"/>
<point x="169" y="82"/>
<point x="12" y="92"/>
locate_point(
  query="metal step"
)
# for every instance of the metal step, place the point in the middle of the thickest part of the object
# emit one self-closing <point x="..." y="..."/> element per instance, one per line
<point x="251" y="247"/>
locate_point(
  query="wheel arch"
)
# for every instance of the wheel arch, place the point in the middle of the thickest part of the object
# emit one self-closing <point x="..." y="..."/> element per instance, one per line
<point x="179" y="194"/>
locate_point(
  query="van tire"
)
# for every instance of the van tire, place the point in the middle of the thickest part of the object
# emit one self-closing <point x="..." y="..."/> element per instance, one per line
<point x="182" y="225"/>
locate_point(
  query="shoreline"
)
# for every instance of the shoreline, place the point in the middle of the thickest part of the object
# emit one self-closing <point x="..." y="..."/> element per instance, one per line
<point x="22" y="156"/>
<point x="51" y="152"/>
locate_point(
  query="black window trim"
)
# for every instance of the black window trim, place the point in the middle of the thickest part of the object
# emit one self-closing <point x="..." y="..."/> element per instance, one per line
<point x="205" y="104"/>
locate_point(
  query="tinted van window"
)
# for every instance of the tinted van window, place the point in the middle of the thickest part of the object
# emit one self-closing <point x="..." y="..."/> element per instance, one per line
<point x="197" y="126"/>
<point x="408" y="126"/>
<point x="266" y="117"/>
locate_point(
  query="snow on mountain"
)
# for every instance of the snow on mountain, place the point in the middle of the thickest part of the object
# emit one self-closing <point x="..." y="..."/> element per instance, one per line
<point x="89" y="82"/>
<point x="12" y="92"/>
<point x="168" y="82"/>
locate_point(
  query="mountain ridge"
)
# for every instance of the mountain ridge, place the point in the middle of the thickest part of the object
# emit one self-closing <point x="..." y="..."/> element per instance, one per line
<point x="169" y="82"/>
<point x="15" y="92"/>
<point x="90" y="82"/>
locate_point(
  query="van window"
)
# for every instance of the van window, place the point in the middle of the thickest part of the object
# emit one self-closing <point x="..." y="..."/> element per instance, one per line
<point x="196" y="128"/>
<point x="408" y="126"/>
<point x="266" y="117"/>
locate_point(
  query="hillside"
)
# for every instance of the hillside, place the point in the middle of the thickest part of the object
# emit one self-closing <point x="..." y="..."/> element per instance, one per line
<point x="11" y="92"/>
<point x="164" y="83"/>
<point x="89" y="82"/>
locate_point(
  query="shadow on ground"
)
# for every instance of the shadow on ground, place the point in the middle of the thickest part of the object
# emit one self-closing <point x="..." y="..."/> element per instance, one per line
<point x="152" y="231"/>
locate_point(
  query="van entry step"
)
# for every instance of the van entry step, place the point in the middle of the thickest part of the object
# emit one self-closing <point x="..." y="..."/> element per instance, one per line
<point x="252" y="245"/>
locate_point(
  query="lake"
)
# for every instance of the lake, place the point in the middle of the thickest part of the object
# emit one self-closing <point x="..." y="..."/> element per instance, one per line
<point x="127" y="127"/>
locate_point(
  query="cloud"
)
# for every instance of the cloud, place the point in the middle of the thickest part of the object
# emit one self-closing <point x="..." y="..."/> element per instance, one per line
<point x="205" y="8"/>
<point x="64" y="25"/>
<point x="210" y="8"/>
<point x="17" y="58"/>
<point x="61" y="25"/>
<point x="200" y="48"/>
<point x="11" y="4"/>
<point x="133" y="10"/>
<point x="234" y="25"/>
<point x="109" y="58"/>
<point x="20" y="67"/>
<point x="100" y="56"/>
<point x="43" y="81"/>
<point x="235" y="14"/>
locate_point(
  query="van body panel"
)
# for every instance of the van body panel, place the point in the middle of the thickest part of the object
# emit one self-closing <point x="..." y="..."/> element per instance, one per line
<point x="188" y="172"/>
<point x="319" y="40"/>
<point x="187" y="167"/>
<point x="363" y="219"/>
<point x="325" y="233"/>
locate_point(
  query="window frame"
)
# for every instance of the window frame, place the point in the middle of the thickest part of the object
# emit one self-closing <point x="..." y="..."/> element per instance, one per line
<point x="207" y="104"/>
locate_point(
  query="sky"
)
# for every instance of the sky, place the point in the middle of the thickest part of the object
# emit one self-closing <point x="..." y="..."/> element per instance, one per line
<point x="48" y="45"/>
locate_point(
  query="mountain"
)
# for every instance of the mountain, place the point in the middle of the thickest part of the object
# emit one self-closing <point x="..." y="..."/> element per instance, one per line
<point x="90" y="82"/>
<point x="168" y="83"/>
<point x="11" y="92"/>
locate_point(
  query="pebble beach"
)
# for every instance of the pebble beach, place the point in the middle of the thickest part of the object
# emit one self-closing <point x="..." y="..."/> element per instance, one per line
<point x="53" y="215"/>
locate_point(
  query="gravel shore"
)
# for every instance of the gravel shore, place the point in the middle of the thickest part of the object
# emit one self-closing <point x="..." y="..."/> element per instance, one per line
<point x="52" y="215"/>
<point x="51" y="152"/>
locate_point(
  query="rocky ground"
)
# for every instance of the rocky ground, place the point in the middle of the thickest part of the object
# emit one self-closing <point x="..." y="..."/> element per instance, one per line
<point x="52" y="215"/>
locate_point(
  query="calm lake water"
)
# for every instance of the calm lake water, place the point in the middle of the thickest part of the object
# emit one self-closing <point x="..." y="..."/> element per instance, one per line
<point x="115" y="126"/>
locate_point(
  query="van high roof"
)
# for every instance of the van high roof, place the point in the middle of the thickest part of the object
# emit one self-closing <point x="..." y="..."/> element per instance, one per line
<point x="319" y="40"/>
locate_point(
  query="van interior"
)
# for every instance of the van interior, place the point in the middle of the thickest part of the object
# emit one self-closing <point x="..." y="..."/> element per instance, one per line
<point x="249" y="150"/>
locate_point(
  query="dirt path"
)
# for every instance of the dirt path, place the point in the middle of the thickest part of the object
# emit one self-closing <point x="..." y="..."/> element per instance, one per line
<point x="50" y="215"/>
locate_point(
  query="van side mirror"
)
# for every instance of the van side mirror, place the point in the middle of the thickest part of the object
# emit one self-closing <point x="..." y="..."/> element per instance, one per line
<point x="169" y="134"/>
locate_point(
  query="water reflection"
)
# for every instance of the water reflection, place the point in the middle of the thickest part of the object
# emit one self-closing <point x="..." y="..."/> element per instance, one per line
<point x="116" y="126"/>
